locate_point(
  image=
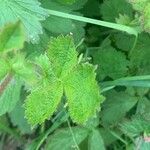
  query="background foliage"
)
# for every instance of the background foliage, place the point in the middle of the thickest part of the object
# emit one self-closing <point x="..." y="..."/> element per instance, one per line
<point x="75" y="74"/>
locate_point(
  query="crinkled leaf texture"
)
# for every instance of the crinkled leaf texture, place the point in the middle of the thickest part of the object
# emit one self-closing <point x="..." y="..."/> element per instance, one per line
<point x="82" y="93"/>
<point x="28" y="11"/>
<point x="111" y="63"/>
<point x="61" y="72"/>
<point x="42" y="102"/>
<point x="12" y="37"/>
<point x="62" y="53"/>
<point x="110" y="9"/>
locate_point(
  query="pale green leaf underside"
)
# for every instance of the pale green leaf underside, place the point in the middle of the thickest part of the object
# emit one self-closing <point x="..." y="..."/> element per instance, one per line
<point x="19" y="120"/>
<point x="10" y="96"/>
<point x="95" y="141"/>
<point x="28" y="11"/>
<point x="62" y="54"/>
<point x="62" y="139"/>
<point x="42" y="102"/>
<point x="82" y="93"/>
<point x="12" y="37"/>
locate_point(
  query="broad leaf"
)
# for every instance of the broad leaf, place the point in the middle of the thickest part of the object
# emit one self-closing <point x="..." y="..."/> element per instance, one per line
<point x="62" y="54"/>
<point x="64" y="140"/>
<point x="42" y="102"/>
<point x="28" y="11"/>
<point x="111" y="63"/>
<point x="116" y="106"/>
<point x="95" y="141"/>
<point x="19" y="120"/>
<point x="12" y="37"/>
<point x="82" y="93"/>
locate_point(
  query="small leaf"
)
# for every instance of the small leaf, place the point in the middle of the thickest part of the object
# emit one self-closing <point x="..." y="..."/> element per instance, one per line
<point x="46" y="69"/>
<point x="12" y="37"/>
<point x="42" y="102"/>
<point x="62" y="53"/>
<point x="95" y="141"/>
<point x="82" y="93"/>
<point x="63" y="139"/>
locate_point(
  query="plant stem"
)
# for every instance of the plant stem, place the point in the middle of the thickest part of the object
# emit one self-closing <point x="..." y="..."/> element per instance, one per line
<point x="115" y="26"/>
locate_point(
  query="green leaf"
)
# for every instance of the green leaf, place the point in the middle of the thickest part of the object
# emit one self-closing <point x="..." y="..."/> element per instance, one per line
<point x="145" y="145"/>
<point x="111" y="63"/>
<point x="120" y="102"/>
<point x="19" y="120"/>
<point x="28" y="12"/>
<point x="12" y="37"/>
<point x="62" y="53"/>
<point x="23" y="68"/>
<point x="4" y="68"/>
<point x="82" y="93"/>
<point x="140" y="61"/>
<point x="138" y="5"/>
<point x="110" y="9"/>
<point x="122" y="39"/>
<point x="42" y="102"/>
<point x="67" y="1"/>
<point x="10" y="95"/>
<point x="64" y="140"/>
<point x="45" y="68"/>
<point x="135" y="127"/>
<point x="95" y="141"/>
<point x="143" y="108"/>
<point x="142" y="7"/>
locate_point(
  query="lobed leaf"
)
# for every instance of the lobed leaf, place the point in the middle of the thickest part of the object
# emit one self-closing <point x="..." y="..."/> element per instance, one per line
<point x="42" y="102"/>
<point x="62" y="53"/>
<point x="82" y="93"/>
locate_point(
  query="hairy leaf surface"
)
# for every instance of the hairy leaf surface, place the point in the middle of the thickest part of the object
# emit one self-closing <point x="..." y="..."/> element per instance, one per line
<point x="62" y="53"/>
<point x="42" y="102"/>
<point x="82" y="93"/>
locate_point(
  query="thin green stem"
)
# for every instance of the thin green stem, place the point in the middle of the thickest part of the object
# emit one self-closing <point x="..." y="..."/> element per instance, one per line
<point x="74" y="139"/>
<point x="134" y="44"/>
<point x="115" y="26"/>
